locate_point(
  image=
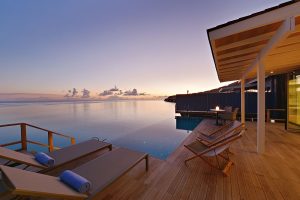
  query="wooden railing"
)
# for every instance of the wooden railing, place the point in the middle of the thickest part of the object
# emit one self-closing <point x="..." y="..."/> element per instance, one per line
<point x="268" y="117"/>
<point x="24" y="141"/>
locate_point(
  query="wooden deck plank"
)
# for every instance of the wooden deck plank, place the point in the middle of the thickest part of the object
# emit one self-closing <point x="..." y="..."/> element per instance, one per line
<point x="252" y="177"/>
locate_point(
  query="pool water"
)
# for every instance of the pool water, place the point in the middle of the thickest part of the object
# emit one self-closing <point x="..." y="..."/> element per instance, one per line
<point x="187" y="123"/>
<point x="146" y="126"/>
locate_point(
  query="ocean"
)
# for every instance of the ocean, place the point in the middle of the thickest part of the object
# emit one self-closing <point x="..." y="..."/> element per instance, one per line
<point x="143" y="125"/>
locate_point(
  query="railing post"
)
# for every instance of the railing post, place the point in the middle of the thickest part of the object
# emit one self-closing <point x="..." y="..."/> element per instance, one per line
<point x="23" y="136"/>
<point x="268" y="116"/>
<point x="243" y="112"/>
<point x="50" y="141"/>
<point x="73" y="141"/>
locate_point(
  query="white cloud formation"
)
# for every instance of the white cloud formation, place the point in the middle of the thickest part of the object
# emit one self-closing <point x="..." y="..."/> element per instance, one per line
<point x="85" y="93"/>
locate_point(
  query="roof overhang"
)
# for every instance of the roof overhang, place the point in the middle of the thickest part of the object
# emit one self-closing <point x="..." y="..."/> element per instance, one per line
<point x="270" y="37"/>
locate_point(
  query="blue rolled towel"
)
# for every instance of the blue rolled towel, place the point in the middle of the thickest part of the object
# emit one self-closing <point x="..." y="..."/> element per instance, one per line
<point x="75" y="181"/>
<point x="44" y="159"/>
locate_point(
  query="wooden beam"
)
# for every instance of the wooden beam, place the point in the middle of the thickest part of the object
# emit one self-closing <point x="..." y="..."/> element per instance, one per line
<point x="279" y="36"/>
<point x="248" y="33"/>
<point x="239" y="48"/>
<point x="241" y="52"/>
<point x="288" y="54"/>
<point x="213" y="46"/>
<point x="239" y="59"/>
<point x="286" y="48"/>
<point x="282" y="58"/>
<point x="239" y="56"/>
<point x="234" y="72"/>
<point x="295" y="34"/>
<point x="229" y="78"/>
<point x="236" y="64"/>
<point x="260" y="108"/>
<point x="250" y="40"/>
<point x="259" y="20"/>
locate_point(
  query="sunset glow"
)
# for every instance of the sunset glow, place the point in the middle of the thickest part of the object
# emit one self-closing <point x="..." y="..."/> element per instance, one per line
<point x="157" y="47"/>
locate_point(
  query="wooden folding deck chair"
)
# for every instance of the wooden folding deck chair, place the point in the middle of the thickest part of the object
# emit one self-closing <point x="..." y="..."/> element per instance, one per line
<point x="219" y="149"/>
<point x="210" y="139"/>
<point x="101" y="172"/>
<point x="61" y="156"/>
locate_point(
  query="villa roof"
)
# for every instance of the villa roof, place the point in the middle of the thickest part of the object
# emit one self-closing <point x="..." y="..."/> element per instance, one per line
<point x="270" y="37"/>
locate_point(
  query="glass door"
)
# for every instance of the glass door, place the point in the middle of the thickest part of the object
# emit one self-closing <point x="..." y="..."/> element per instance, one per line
<point x="293" y="115"/>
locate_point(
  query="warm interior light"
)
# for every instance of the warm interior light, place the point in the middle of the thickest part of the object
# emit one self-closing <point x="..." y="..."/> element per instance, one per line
<point x="271" y="72"/>
<point x="217" y="108"/>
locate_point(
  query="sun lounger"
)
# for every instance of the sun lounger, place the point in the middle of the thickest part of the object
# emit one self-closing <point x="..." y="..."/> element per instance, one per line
<point x="61" y="156"/>
<point x="222" y="128"/>
<point x="101" y="172"/>
<point x="214" y="137"/>
<point x="219" y="149"/>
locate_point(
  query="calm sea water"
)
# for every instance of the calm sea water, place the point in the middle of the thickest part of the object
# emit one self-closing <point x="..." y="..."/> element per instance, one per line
<point x="146" y="126"/>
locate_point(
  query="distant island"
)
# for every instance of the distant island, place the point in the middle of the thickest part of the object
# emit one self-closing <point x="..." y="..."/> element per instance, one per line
<point x="171" y="99"/>
<point x="228" y="88"/>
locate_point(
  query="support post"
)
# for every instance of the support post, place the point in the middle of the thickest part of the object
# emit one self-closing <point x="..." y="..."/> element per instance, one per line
<point x="243" y="102"/>
<point x="73" y="141"/>
<point x="147" y="162"/>
<point x="50" y="141"/>
<point x="260" y="107"/>
<point x="23" y="136"/>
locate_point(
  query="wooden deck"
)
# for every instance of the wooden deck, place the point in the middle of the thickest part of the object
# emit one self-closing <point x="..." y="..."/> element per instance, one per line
<point x="274" y="175"/>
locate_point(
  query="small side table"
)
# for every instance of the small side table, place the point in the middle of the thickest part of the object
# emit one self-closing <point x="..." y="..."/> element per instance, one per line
<point x="217" y="115"/>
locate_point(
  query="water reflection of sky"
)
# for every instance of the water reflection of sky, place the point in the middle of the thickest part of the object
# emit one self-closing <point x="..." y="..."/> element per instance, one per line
<point x="147" y="126"/>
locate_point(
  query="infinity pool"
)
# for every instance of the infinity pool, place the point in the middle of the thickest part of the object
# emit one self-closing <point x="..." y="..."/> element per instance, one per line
<point x="146" y="126"/>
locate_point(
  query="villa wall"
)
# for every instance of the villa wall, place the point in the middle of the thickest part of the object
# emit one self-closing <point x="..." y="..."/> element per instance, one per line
<point x="206" y="101"/>
<point x="275" y="99"/>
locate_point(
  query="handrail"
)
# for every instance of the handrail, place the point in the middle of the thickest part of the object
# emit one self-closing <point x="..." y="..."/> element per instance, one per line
<point x="24" y="140"/>
<point x="15" y="124"/>
<point x="269" y="110"/>
<point x="10" y="143"/>
<point x="43" y="129"/>
<point x="41" y="144"/>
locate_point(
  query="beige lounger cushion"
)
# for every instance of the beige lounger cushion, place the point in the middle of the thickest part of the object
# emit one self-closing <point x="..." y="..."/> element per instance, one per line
<point x="33" y="184"/>
<point x="19" y="157"/>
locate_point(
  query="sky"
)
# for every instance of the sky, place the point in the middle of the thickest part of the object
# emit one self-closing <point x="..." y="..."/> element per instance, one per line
<point x="156" y="46"/>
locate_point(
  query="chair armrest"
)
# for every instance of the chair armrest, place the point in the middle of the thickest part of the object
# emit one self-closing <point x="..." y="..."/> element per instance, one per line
<point x="203" y="142"/>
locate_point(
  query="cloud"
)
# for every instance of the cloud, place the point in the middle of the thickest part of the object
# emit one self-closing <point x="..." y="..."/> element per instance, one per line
<point x="106" y="93"/>
<point x="75" y="92"/>
<point x="72" y="93"/>
<point x="111" y="92"/>
<point x="131" y="93"/>
<point x="85" y="93"/>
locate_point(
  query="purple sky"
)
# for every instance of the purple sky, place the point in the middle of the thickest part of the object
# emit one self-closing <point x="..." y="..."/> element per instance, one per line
<point x="157" y="46"/>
